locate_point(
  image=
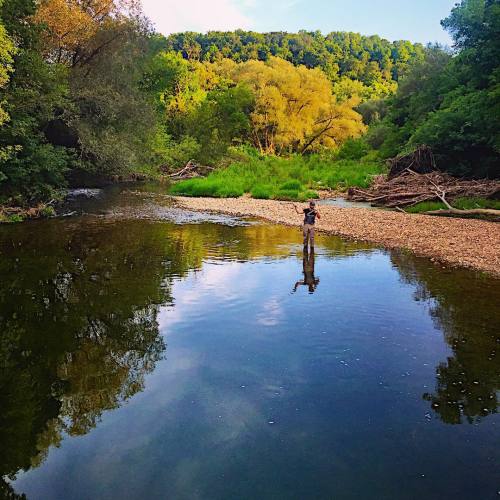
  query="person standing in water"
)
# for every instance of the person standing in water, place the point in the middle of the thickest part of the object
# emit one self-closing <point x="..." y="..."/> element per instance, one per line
<point x="310" y="215"/>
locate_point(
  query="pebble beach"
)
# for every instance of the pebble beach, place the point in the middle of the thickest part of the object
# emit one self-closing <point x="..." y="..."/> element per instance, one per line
<point x="467" y="243"/>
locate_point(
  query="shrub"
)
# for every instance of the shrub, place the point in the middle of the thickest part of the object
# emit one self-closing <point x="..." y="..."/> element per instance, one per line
<point x="287" y="195"/>
<point x="460" y="203"/>
<point x="262" y="192"/>
<point x="47" y="211"/>
<point x="293" y="185"/>
<point x="353" y="149"/>
<point x="308" y="195"/>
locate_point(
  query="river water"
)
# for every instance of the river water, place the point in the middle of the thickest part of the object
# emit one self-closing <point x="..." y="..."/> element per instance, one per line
<point x="147" y="352"/>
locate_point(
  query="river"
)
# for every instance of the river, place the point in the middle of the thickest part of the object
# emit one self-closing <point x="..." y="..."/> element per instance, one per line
<point x="148" y="352"/>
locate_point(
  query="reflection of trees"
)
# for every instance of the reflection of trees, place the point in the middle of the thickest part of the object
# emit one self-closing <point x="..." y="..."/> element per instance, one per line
<point x="78" y="316"/>
<point x="463" y="306"/>
<point x="78" y="329"/>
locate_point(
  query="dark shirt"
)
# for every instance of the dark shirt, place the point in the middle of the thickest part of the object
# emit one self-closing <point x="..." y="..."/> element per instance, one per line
<point x="309" y="215"/>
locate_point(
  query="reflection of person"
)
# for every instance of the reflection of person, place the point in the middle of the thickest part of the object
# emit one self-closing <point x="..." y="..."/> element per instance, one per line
<point x="310" y="215"/>
<point x="308" y="267"/>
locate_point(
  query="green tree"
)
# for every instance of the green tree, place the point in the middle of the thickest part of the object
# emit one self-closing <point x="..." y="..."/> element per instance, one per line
<point x="453" y="103"/>
<point x="34" y="96"/>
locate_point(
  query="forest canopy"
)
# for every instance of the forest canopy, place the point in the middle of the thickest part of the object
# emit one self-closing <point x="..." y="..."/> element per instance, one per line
<point x="89" y="91"/>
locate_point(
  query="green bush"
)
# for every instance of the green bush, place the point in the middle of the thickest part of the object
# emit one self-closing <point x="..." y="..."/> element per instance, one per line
<point x="293" y="185"/>
<point x="425" y="206"/>
<point x="353" y="149"/>
<point x="309" y="195"/>
<point x="470" y="203"/>
<point x="262" y="192"/>
<point x="48" y="211"/>
<point x="12" y="218"/>
<point x="287" y="195"/>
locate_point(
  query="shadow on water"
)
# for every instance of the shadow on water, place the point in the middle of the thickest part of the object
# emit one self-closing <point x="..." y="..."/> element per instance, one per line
<point x="79" y="317"/>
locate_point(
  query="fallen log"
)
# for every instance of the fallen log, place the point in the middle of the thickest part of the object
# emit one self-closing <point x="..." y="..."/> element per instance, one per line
<point x="191" y="170"/>
<point x="471" y="211"/>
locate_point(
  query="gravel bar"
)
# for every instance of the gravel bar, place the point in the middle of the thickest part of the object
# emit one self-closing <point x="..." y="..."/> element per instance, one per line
<point x="459" y="242"/>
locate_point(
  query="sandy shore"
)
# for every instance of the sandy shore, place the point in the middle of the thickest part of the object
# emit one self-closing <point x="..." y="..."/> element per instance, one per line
<point x="459" y="242"/>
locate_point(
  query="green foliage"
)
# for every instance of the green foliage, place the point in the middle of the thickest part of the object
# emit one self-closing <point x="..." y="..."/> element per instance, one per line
<point x="373" y="110"/>
<point x="216" y="188"/>
<point x="112" y="116"/>
<point x="425" y="206"/>
<point x="262" y="192"/>
<point x="292" y="178"/>
<point x="452" y="103"/>
<point x="48" y="211"/>
<point x="376" y="64"/>
<point x="293" y="185"/>
<point x="348" y="173"/>
<point x="353" y="149"/>
<point x="11" y="218"/>
<point x="80" y="107"/>
<point x="174" y="154"/>
<point x="221" y="120"/>
<point x="36" y="92"/>
<point x="287" y="195"/>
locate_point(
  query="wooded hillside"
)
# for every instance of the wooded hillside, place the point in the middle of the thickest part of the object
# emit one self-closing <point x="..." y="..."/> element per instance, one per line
<point x="88" y="90"/>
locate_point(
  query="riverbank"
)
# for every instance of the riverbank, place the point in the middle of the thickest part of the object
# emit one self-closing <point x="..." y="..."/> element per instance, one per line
<point x="459" y="242"/>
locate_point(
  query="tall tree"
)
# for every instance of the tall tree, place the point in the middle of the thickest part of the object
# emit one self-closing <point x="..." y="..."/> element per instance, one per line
<point x="295" y="109"/>
<point x="35" y="94"/>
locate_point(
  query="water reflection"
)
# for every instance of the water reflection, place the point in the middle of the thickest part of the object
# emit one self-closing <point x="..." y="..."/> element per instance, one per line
<point x="79" y="330"/>
<point x="310" y="281"/>
<point x="466" y="310"/>
<point x="81" y="302"/>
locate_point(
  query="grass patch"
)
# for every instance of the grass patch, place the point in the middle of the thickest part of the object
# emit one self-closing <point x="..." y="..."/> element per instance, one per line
<point x="262" y="192"/>
<point x="460" y="203"/>
<point x="295" y="178"/>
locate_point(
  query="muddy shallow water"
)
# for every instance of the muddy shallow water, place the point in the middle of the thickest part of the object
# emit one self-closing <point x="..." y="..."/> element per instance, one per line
<point x="149" y="352"/>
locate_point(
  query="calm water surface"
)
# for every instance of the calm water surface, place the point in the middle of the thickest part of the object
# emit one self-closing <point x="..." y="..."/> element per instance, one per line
<point x="147" y="352"/>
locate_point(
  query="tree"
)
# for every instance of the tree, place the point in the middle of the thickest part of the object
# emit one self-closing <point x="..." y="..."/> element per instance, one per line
<point x="294" y="107"/>
<point x="36" y="92"/>
<point x="7" y="51"/>
<point x="72" y="27"/>
<point x="453" y="103"/>
<point x="111" y="115"/>
<point x="222" y="120"/>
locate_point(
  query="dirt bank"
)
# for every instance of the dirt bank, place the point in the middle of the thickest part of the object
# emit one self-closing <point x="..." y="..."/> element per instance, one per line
<point x="460" y="242"/>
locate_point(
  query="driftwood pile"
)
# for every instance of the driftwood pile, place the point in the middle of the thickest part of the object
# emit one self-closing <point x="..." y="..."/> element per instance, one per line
<point x="420" y="161"/>
<point x="191" y="170"/>
<point x="410" y="188"/>
<point x="413" y="178"/>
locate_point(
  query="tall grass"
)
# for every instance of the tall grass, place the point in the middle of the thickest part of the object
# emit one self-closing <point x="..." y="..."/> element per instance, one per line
<point x="293" y="178"/>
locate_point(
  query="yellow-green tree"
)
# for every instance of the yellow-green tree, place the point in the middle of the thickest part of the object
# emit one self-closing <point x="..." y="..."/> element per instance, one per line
<point x="6" y="52"/>
<point x="78" y="30"/>
<point x="295" y="109"/>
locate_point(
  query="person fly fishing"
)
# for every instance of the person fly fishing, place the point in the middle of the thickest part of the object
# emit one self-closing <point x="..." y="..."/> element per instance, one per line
<point x="310" y="214"/>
